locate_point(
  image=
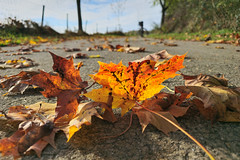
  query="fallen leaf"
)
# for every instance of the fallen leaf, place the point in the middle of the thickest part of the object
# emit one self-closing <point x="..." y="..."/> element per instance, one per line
<point x="137" y="82"/>
<point x="32" y="42"/>
<point x="219" y="47"/>
<point x="108" y="46"/>
<point x="154" y="43"/>
<point x="89" y="49"/>
<point x="67" y="86"/>
<point x="171" y="44"/>
<point x="8" y="146"/>
<point x="22" y="62"/>
<point x="14" y="83"/>
<point x="118" y="46"/>
<point x="18" y="53"/>
<point x="83" y="116"/>
<point x="146" y="117"/>
<point x="77" y="55"/>
<point x="165" y="104"/>
<point x="72" y="49"/>
<point x="220" y="41"/>
<point x="217" y="101"/>
<point x="156" y="56"/>
<point x="204" y="80"/>
<point x="31" y="132"/>
<point x="94" y="56"/>
<point x="98" y="48"/>
<point x="42" y="40"/>
<point x="133" y="49"/>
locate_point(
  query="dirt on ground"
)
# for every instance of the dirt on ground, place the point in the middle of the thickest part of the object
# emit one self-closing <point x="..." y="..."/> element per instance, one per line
<point x="221" y="139"/>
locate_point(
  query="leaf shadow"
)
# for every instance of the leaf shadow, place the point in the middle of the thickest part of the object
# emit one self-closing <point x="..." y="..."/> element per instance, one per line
<point x="152" y="144"/>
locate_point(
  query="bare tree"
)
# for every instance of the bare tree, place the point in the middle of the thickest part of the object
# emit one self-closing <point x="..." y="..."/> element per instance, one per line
<point x="164" y="5"/>
<point x="118" y="8"/>
<point x="80" y="29"/>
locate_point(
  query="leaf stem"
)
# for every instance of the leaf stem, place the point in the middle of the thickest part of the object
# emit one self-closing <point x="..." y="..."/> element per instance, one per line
<point x="169" y="89"/>
<point x="90" y="85"/>
<point x="181" y="129"/>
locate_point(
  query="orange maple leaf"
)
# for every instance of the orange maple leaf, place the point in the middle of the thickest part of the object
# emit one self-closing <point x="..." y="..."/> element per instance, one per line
<point x="66" y="86"/>
<point x="137" y="82"/>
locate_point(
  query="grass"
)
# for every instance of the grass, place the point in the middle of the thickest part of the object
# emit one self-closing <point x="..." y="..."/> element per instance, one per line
<point x="8" y="38"/>
<point x="226" y="35"/>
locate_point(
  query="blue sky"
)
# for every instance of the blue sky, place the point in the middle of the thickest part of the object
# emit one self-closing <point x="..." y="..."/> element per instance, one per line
<point x="97" y="15"/>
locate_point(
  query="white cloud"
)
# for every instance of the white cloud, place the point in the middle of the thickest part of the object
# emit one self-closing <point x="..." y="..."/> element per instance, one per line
<point x="97" y="13"/>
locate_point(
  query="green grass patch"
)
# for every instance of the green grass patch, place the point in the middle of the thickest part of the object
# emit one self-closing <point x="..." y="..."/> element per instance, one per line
<point x="226" y="35"/>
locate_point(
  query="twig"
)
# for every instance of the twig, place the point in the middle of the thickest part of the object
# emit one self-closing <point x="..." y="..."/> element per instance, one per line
<point x="181" y="129"/>
<point x="90" y="85"/>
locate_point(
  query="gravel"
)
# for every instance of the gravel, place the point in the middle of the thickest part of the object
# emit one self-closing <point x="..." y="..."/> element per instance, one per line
<point x="221" y="139"/>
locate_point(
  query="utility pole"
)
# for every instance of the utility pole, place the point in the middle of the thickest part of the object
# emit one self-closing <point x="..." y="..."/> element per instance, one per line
<point x="67" y="21"/>
<point x="42" y="15"/>
<point x="80" y="29"/>
<point x="96" y="28"/>
<point x="86" y="26"/>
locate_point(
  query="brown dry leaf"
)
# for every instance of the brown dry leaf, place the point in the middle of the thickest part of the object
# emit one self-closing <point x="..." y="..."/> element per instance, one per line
<point x="4" y="51"/>
<point x="205" y="80"/>
<point x="18" y="53"/>
<point x="171" y="44"/>
<point x="163" y="103"/>
<point x="220" y="41"/>
<point x="14" y="83"/>
<point x="37" y="50"/>
<point x="67" y="86"/>
<point x="77" y="55"/>
<point x="154" y="43"/>
<point x="34" y="133"/>
<point x="216" y="103"/>
<point x="24" y="113"/>
<point x="156" y="56"/>
<point x="22" y="62"/>
<point x="8" y="146"/>
<point x="26" y="49"/>
<point x="219" y="47"/>
<point x="108" y="46"/>
<point x="72" y="49"/>
<point x="43" y="108"/>
<point x="89" y="49"/>
<point x="83" y="116"/>
<point x="130" y="49"/>
<point x="97" y="48"/>
<point x="118" y="46"/>
<point x="146" y="117"/>
<point x="134" y="49"/>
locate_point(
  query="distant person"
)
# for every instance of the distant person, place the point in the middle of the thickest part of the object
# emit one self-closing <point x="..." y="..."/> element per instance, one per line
<point x="141" y="31"/>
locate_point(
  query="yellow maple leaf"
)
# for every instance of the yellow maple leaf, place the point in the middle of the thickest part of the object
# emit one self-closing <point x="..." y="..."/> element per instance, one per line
<point x="137" y="82"/>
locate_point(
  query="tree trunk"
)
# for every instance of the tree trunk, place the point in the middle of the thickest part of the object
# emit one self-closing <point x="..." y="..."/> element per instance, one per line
<point x="163" y="16"/>
<point x="79" y="16"/>
<point x="164" y="9"/>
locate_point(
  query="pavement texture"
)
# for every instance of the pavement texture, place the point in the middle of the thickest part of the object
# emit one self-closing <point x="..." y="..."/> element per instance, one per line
<point x="221" y="139"/>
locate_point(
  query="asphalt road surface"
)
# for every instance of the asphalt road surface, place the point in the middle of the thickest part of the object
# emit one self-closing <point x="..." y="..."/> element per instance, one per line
<point x="221" y="139"/>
